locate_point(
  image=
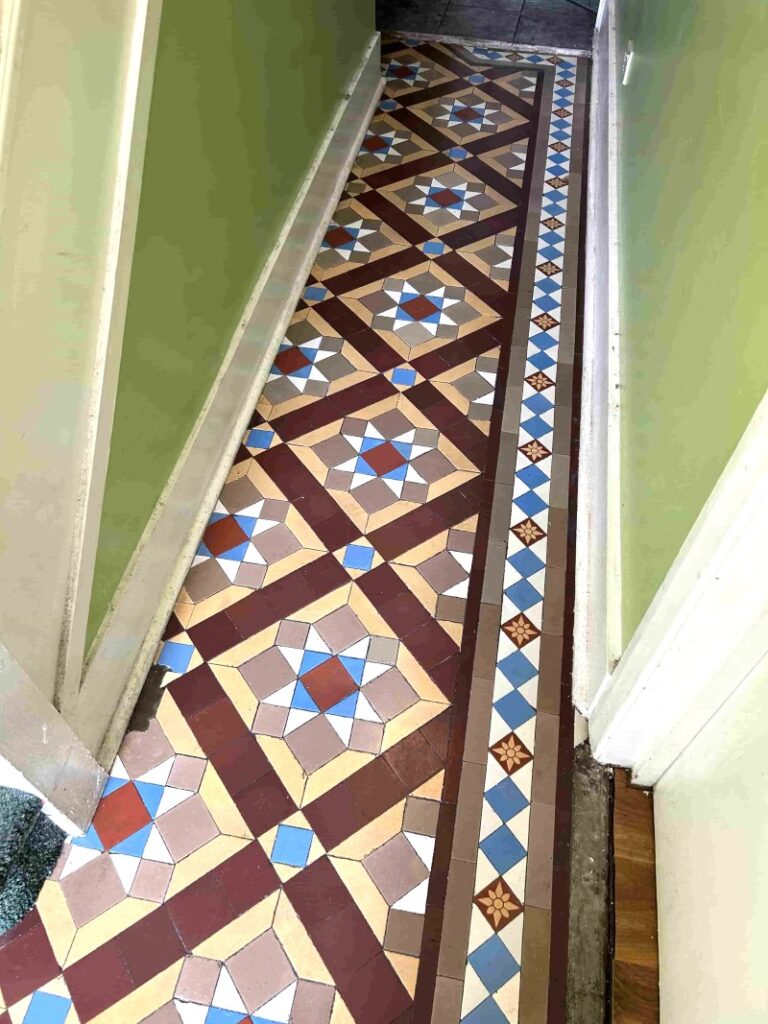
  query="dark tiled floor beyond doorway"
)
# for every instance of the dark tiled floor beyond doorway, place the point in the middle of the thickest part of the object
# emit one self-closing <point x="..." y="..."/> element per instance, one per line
<point x="560" y="23"/>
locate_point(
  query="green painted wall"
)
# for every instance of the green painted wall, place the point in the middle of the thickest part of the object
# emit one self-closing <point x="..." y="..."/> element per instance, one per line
<point x="244" y="92"/>
<point x="693" y="230"/>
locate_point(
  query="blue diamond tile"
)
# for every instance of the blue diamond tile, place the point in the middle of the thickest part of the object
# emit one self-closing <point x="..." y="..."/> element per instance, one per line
<point x="514" y="709"/>
<point x="315" y="293"/>
<point x="549" y="285"/>
<point x="523" y="595"/>
<point x="134" y="845"/>
<point x="536" y="426"/>
<point x="357" y="556"/>
<point x="526" y="562"/>
<point x="530" y="503"/>
<point x="259" y="438"/>
<point x="516" y="668"/>
<point x="503" y="849"/>
<point x="541" y="360"/>
<point x="291" y="846"/>
<point x="532" y="476"/>
<point x="547" y="303"/>
<point x="538" y="403"/>
<point x="493" y="963"/>
<point x="506" y="799"/>
<point x="458" y="153"/>
<point x="486" y="1012"/>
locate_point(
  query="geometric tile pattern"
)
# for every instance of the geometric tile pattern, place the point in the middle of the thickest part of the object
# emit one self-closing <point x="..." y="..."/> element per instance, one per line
<point x="267" y="846"/>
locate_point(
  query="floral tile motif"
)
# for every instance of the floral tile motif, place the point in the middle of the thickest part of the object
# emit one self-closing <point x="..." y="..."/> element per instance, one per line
<point x="265" y="848"/>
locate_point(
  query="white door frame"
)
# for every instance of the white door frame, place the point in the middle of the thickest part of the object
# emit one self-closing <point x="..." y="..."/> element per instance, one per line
<point x="707" y="626"/>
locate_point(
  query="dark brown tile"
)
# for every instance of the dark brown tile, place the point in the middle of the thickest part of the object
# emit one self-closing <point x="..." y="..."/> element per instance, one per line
<point x="345" y="942"/>
<point x="317" y="893"/>
<point x="214" y="635"/>
<point x="378" y="976"/>
<point x="217" y="725"/>
<point x="246" y="877"/>
<point x="544" y="782"/>
<point x="96" y="981"/>
<point x="413" y="760"/>
<point x="27" y="961"/>
<point x="240" y="763"/>
<point x="430" y="645"/>
<point x="200" y="910"/>
<point x="265" y="803"/>
<point x="196" y="691"/>
<point x="150" y="945"/>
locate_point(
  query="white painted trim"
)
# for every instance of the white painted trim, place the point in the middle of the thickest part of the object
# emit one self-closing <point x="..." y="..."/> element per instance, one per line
<point x="126" y="189"/>
<point x="42" y="755"/>
<point x="493" y="44"/>
<point x="127" y="640"/>
<point x="597" y="622"/>
<point x="706" y="629"/>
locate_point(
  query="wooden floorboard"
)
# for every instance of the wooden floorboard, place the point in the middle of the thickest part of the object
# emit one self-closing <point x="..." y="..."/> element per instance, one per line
<point x="635" y="976"/>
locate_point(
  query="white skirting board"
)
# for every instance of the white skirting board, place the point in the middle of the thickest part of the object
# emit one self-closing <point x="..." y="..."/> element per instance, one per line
<point x="597" y="621"/>
<point x="126" y="643"/>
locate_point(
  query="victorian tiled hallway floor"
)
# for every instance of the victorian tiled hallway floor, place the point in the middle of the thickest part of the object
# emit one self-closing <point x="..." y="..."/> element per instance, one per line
<point x="352" y="803"/>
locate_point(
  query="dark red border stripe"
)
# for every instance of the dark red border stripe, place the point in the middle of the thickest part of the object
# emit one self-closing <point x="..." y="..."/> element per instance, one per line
<point x="241" y="764"/>
<point x="501" y="139"/>
<point x="459" y="430"/>
<point x="379" y="785"/>
<point x="447" y="60"/>
<point x="491" y="292"/>
<point x="404" y="225"/>
<point x="407" y="169"/>
<point x="455" y="353"/>
<point x="292" y="425"/>
<point x="424" y="129"/>
<point x="377" y="270"/>
<point x="308" y="496"/>
<point x="366" y="980"/>
<point x="142" y="951"/>
<point x="359" y="335"/>
<point x="494" y="178"/>
<point x="507" y="98"/>
<point x="483" y="228"/>
<point x="427" y="521"/>
<point x="407" y="617"/>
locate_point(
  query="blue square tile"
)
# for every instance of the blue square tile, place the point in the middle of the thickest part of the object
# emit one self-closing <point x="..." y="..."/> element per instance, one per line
<point x="532" y="476"/>
<point x="175" y="657"/>
<point x="47" y="1009"/>
<point x="357" y="556"/>
<point x="536" y="426"/>
<point x="538" y="403"/>
<point x="523" y="595"/>
<point x="315" y="293"/>
<point x="458" y="153"/>
<point x="259" y="438"/>
<point x="503" y="849"/>
<point x="506" y="799"/>
<point x="292" y="845"/>
<point x="541" y="360"/>
<point x="433" y="248"/>
<point x="486" y="1012"/>
<point x="493" y="963"/>
<point x="526" y="562"/>
<point x="403" y="376"/>
<point x="516" y="668"/>
<point x="514" y="709"/>
<point x="546" y="303"/>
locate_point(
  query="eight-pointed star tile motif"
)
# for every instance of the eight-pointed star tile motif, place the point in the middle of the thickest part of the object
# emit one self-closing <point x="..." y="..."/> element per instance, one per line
<point x="387" y="144"/>
<point x="446" y="200"/>
<point x="469" y="115"/>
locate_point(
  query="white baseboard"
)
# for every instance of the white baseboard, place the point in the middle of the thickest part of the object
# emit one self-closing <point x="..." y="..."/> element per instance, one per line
<point x="597" y="622"/>
<point x="125" y="645"/>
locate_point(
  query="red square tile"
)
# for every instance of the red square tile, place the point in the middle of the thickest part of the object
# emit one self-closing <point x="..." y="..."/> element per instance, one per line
<point x="119" y="815"/>
<point x="328" y="683"/>
<point x="223" y="535"/>
<point x="383" y="458"/>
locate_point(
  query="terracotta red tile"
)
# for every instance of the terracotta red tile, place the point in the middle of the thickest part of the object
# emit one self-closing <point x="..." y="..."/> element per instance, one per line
<point x="119" y="815"/>
<point x="240" y="763"/>
<point x="217" y="725"/>
<point x="214" y="635"/>
<point x="150" y="945"/>
<point x="265" y="803"/>
<point x="27" y="961"/>
<point x="200" y="910"/>
<point x="224" y="534"/>
<point x="247" y="877"/>
<point x="98" y="981"/>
